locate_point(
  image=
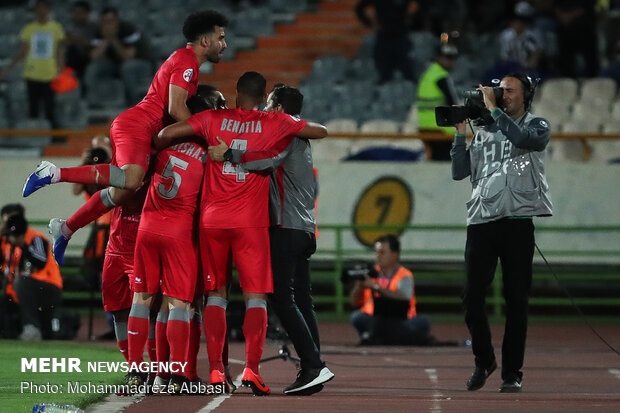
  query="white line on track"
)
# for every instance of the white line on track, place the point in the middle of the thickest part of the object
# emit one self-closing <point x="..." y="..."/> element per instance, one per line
<point x="615" y="372"/>
<point x="437" y="395"/>
<point x="215" y="403"/>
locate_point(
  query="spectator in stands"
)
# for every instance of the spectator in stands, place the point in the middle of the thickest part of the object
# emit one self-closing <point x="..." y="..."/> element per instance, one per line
<point x="577" y="37"/>
<point x="521" y="45"/>
<point x="386" y="302"/>
<point x="35" y="277"/>
<point x="41" y="47"/>
<point x="80" y="34"/>
<point x="116" y="43"/>
<point x="392" y="22"/>
<point x="436" y="88"/>
<point x="441" y="16"/>
<point x="612" y="69"/>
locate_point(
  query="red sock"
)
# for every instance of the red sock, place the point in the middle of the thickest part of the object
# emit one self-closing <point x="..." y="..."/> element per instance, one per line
<point x="138" y="333"/>
<point x="163" y="350"/>
<point x="225" y="351"/>
<point x="178" y="337"/>
<point x="151" y="348"/>
<point x="122" y="346"/>
<point x="215" y="334"/>
<point x="254" y="330"/>
<point x="90" y="211"/>
<point x="89" y="174"/>
<point x="192" y="349"/>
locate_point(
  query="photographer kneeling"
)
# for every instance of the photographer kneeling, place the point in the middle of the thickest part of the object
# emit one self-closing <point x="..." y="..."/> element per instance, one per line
<point x="387" y="300"/>
<point x="505" y="164"/>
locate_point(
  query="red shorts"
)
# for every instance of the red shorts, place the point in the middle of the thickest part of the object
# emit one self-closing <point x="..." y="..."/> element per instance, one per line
<point x="165" y="264"/>
<point x="250" y="251"/>
<point x="131" y="139"/>
<point x="116" y="280"/>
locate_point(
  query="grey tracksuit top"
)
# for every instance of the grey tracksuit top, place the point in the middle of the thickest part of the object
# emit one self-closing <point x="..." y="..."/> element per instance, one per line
<point x="505" y="162"/>
<point x="292" y="187"/>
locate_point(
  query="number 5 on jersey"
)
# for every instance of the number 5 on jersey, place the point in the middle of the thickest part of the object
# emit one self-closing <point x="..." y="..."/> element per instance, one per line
<point x="170" y="191"/>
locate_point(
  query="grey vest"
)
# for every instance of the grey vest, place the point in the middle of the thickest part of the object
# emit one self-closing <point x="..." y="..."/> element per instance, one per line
<point x="505" y="162"/>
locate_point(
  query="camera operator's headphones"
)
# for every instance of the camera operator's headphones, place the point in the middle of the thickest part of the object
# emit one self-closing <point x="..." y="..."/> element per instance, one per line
<point x="529" y="87"/>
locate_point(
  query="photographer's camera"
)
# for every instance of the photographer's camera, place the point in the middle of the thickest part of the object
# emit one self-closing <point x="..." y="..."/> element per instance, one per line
<point x="358" y="273"/>
<point x="473" y="109"/>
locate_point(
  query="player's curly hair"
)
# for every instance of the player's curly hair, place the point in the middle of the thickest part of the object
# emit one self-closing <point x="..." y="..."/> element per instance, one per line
<point x="202" y="22"/>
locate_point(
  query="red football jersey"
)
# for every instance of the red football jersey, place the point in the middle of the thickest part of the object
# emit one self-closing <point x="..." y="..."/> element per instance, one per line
<point x="232" y="197"/>
<point x="174" y="191"/>
<point x="180" y="69"/>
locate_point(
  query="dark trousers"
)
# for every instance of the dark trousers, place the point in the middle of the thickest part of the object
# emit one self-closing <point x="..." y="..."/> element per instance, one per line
<point x="41" y="92"/>
<point x="292" y="292"/>
<point x="382" y="330"/>
<point x="38" y="302"/>
<point x="512" y="241"/>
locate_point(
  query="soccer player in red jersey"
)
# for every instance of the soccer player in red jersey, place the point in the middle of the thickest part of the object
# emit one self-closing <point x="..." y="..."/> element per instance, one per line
<point x="166" y="254"/>
<point x="132" y="131"/>
<point x="235" y="218"/>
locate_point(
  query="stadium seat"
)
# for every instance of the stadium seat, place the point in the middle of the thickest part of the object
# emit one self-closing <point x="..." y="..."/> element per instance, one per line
<point x="598" y="91"/>
<point x="290" y="6"/>
<point x="341" y="126"/>
<point x="555" y="112"/>
<point x="410" y="127"/>
<point x="570" y="150"/>
<point x="136" y="75"/>
<point x="38" y="141"/>
<point x="559" y="90"/>
<point x="380" y="126"/>
<point x="590" y="114"/>
<point x="332" y="149"/>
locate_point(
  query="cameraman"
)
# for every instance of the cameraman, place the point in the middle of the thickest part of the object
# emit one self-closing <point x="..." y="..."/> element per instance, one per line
<point x="387" y="300"/>
<point x="29" y="267"/>
<point x="506" y="169"/>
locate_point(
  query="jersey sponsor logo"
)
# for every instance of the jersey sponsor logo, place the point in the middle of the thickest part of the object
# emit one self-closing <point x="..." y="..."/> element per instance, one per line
<point x="187" y="75"/>
<point x="387" y="201"/>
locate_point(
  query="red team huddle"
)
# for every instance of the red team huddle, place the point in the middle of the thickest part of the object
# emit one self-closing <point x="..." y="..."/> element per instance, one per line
<point x="197" y="217"/>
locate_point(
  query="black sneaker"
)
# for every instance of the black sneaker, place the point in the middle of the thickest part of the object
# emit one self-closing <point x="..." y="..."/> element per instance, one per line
<point x="479" y="377"/>
<point x="177" y="384"/>
<point x="309" y="378"/>
<point x="512" y="385"/>
<point x="309" y="391"/>
<point x="135" y="379"/>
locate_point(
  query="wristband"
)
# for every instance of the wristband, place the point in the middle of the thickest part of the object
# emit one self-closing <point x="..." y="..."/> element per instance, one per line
<point x="228" y="155"/>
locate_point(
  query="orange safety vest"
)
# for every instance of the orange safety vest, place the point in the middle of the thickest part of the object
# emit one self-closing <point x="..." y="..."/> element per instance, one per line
<point x="368" y="305"/>
<point x="49" y="274"/>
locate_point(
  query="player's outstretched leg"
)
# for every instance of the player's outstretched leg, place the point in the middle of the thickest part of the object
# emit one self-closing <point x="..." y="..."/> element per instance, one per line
<point x="44" y="175"/>
<point x="59" y="240"/>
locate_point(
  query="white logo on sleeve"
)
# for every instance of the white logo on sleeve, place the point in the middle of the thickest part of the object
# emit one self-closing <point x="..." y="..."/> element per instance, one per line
<point x="544" y="124"/>
<point x="187" y="75"/>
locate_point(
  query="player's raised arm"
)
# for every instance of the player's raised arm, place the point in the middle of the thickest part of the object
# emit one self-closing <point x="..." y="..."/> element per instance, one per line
<point x="313" y="130"/>
<point x="167" y="135"/>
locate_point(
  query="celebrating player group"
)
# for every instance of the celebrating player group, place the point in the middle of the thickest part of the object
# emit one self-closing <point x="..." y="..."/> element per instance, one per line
<point x="181" y="219"/>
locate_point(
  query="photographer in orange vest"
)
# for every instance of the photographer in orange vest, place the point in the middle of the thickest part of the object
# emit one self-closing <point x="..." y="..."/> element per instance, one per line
<point x="386" y="301"/>
<point x="32" y="278"/>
